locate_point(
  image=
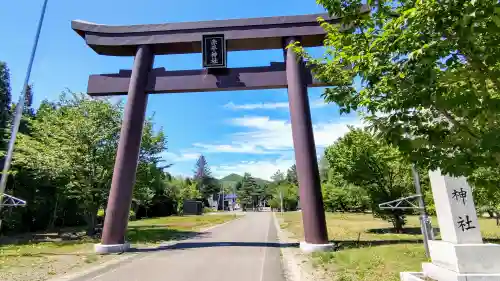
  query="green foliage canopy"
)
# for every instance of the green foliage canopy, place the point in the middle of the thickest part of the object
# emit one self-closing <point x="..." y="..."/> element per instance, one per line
<point x="426" y="74"/>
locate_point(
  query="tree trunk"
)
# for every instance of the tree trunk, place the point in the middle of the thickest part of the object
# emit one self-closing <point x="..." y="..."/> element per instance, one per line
<point x="135" y="209"/>
<point x="490" y="213"/>
<point x="398" y="223"/>
<point x="54" y="215"/>
<point x="91" y="220"/>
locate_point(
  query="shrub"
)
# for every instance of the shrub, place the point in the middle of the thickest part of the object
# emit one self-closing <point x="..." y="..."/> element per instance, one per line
<point x="131" y="215"/>
<point x="101" y="214"/>
<point x="346" y="198"/>
<point x="209" y="210"/>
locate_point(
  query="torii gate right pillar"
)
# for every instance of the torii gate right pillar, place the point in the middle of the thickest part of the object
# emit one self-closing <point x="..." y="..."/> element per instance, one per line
<point x="311" y="202"/>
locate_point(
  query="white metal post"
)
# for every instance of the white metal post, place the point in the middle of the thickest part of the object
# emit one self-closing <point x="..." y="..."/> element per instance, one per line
<point x="424" y="219"/>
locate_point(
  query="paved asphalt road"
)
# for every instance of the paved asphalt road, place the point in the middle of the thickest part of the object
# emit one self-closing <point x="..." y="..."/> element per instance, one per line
<point x="245" y="250"/>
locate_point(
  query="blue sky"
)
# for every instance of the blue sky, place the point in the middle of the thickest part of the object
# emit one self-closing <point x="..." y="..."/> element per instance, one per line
<point x="238" y="131"/>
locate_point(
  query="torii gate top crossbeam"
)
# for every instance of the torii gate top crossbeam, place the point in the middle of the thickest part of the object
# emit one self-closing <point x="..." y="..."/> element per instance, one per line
<point x="185" y="37"/>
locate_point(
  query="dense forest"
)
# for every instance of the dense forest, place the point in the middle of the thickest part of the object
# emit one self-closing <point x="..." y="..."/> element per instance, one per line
<point x="63" y="164"/>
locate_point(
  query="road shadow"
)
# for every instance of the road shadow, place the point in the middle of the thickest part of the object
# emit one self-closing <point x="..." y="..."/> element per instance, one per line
<point x="53" y="240"/>
<point x="155" y="234"/>
<point x="406" y="230"/>
<point x="196" y="245"/>
<point x="60" y="236"/>
<point x="63" y="244"/>
<point x="350" y="244"/>
<point x="49" y="254"/>
<point x="491" y="240"/>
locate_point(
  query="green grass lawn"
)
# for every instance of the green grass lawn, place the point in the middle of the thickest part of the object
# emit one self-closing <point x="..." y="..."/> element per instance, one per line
<point x="379" y="254"/>
<point x="40" y="256"/>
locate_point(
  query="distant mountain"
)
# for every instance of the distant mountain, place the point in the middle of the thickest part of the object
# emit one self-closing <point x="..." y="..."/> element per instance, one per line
<point x="232" y="179"/>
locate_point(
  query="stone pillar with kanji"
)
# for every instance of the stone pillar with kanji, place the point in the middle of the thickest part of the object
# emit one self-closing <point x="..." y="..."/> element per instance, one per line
<point x="460" y="255"/>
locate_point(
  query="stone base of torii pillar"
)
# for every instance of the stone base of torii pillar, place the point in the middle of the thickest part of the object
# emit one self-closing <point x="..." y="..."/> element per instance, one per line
<point x="461" y="255"/>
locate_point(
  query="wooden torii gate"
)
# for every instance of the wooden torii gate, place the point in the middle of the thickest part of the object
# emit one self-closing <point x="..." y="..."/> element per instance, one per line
<point x="145" y="41"/>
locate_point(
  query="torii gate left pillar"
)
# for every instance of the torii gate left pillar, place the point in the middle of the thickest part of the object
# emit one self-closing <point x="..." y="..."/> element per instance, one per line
<point x="145" y="41"/>
<point x="124" y="173"/>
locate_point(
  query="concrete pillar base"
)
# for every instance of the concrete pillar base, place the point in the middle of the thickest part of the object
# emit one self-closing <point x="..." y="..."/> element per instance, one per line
<point x="111" y="249"/>
<point x="310" y="248"/>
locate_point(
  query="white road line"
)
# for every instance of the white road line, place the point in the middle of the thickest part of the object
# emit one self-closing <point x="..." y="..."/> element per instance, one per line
<point x="266" y="240"/>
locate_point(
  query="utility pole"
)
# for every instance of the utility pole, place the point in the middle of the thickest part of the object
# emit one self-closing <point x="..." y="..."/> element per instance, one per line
<point x="223" y="198"/>
<point x="281" y="199"/>
<point x="19" y="110"/>
<point x="425" y="223"/>
<point x="234" y="195"/>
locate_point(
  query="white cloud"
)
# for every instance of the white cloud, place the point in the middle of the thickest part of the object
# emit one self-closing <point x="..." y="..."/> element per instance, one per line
<point x="172" y="157"/>
<point x="267" y="136"/>
<point x="234" y="147"/>
<point x="260" y="169"/>
<point x="251" y="106"/>
<point x="272" y="105"/>
<point x="270" y="138"/>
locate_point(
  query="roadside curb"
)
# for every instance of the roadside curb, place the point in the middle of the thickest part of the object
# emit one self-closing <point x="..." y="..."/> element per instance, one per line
<point x="292" y="268"/>
<point x="97" y="270"/>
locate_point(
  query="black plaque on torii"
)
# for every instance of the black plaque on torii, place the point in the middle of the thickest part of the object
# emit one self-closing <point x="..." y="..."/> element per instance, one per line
<point x="214" y="52"/>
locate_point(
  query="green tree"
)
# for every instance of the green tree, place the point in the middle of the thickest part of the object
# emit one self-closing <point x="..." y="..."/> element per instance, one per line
<point x="323" y="169"/>
<point x="425" y="74"/>
<point x="258" y="195"/>
<point x="289" y="194"/>
<point x="5" y="99"/>
<point x="238" y="185"/>
<point x="274" y="203"/>
<point x="486" y="192"/>
<point x="345" y="197"/>
<point x="364" y="161"/>
<point x="207" y="185"/>
<point x="75" y="144"/>
<point x="202" y="171"/>
<point x="150" y="175"/>
<point x="267" y="193"/>
<point x="28" y="111"/>
<point x="149" y="180"/>
<point x="278" y="177"/>
<point x="283" y="189"/>
<point x="246" y="191"/>
<point x="291" y="175"/>
<point x="183" y="190"/>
